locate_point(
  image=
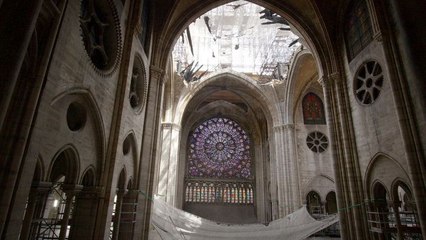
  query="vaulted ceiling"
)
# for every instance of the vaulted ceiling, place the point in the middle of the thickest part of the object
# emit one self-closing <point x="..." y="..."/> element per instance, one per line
<point x="315" y="20"/>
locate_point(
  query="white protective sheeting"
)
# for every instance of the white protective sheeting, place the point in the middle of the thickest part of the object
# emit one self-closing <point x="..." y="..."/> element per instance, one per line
<point x="175" y="224"/>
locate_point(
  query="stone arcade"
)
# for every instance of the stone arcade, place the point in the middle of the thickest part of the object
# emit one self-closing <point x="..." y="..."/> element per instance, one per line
<point x="235" y="111"/>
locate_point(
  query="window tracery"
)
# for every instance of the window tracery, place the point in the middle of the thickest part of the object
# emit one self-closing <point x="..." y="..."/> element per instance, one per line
<point x="219" y="148"/>
<point x="313" y="109"/>
<point x="317" y="142"/>
<point x="358" y="29"/>
<point x="219" y="168"/>
<point x="368" y="82"/>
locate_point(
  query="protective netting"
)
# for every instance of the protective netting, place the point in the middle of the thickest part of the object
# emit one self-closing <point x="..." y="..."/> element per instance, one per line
<point x="174" y="224"/>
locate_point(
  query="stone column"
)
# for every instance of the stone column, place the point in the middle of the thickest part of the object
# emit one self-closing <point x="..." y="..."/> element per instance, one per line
<point x="18" y="19"/>
<point x="70" y="192"/>
<point x="117" y="214"/>
<point x="287" y="169"/>
<point x="167" y="183"/>
<point x="128" y="211"/>
<point x="86" y="207"/>
<point x="404" y="50"/>
<point x="349" y="189"/>
<point x="21" y="87"/>
<point x="149" y="151"/>
<point x="395" y="206"/>
<point x="38" y="193"/>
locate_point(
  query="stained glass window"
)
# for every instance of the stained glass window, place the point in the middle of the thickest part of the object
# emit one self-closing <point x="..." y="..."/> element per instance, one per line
<point x="219" y="148"/>
<point x="313" y="109"/>
<point x="199" y="191"/>
<point x="358" y="30"/>
<point x="219" y="168"/>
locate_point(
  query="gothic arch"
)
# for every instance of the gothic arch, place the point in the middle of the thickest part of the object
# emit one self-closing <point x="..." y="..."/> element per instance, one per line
<point x="384" y="169"/>
<point x="93" y="110"/>
<point x="321" y="184"/>
<point x="122" y="179"/>
<point x="88" y="178"/>
<point x="132" y="155"/>
<point x="292" y="91"/>
<point x="239" y="79"/>
<point x="66" y="163"/>
<point x="256" y="120"/>
<point x="320" y="45"/>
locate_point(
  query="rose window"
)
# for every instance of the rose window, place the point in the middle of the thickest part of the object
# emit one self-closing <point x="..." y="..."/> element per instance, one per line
<point x="317" y="142"/>
<point x="368" y="82"/>
<point x="219" y="148"/>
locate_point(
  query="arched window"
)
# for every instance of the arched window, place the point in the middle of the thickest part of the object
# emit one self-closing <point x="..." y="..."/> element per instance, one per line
<point x="358" y="29"/>
<point x="219" y="165"/>
<point x="313" y="109"/>
<point x="405" y="212"/>
<point x="331" y="204"/>
<point x="380" y="216"/>
<point x="313" y="202"/>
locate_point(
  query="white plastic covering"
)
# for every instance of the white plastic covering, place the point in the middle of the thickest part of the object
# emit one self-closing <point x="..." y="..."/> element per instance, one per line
<point x="174" y="224"/>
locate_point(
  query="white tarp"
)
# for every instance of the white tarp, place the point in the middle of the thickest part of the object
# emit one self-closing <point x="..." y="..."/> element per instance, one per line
<point x="174" y="224"/>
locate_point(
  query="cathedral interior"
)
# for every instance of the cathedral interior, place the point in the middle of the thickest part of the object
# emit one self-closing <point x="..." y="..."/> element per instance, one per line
<point x="239" y="112"/>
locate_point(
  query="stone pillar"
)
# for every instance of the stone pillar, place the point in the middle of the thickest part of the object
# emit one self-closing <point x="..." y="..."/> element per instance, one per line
<point x="21" y="88"/>
<point x="395" y="206"/>
<point x="18" y="19"/>
<point x="38" y="194"/>
<point x="404" y="50"/>
<point x="127" y="218"/>
<point x="149" y="151"/>
<point x="287" y="169"/>
<point x="349" y="189"/>
<point x="86" y="207"/>
<point x="168" y="168"/>
<point x="70" y="192"/>
<point x="117" y="214"/>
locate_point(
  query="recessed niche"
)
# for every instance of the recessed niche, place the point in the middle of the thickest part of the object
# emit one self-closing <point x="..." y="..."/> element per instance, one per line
<point x="76" y="116"/>
<point x="138" y="85"/>
<point x="368" y="82"/>
<point x="126" y="145"/>
<point x="100" y="31"/>
<point x="317" y="142"/>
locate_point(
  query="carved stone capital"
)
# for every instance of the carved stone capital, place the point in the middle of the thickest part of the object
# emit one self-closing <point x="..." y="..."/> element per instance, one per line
<point x="72" y="189"/>
<point x="329" y="80"/>
<point x="170" y="126"/>
<point x="41" y="187"/>
<point x="157" y="73"/>
<point x="284" y="127"/>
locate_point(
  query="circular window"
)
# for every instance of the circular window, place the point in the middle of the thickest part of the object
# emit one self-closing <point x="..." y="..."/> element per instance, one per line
<point x="219" y="148"/>
<point x="76" y="116"/>
<point x="138" y="86"/>
<point x="100" y="31"/>
<point x="368" y="82"/>
<point x="317" y="142"/>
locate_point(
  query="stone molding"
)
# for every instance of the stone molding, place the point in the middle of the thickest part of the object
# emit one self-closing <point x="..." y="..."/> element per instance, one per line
<point x="170" y="126"/>
<point x="157" y="73"/>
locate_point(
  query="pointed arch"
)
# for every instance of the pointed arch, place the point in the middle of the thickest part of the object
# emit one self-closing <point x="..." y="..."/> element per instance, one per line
<point x="313" y="109"/>
<point x="93" y="109"/>
<point x="89" y="177"/>
<point x="239" y="79"/>
<point x="308" y="27"/>
<point x="385" y="169"/>
<point x="65" y="163"/>
<point x="122" y="179"/>
<point x="130" y="146"/>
